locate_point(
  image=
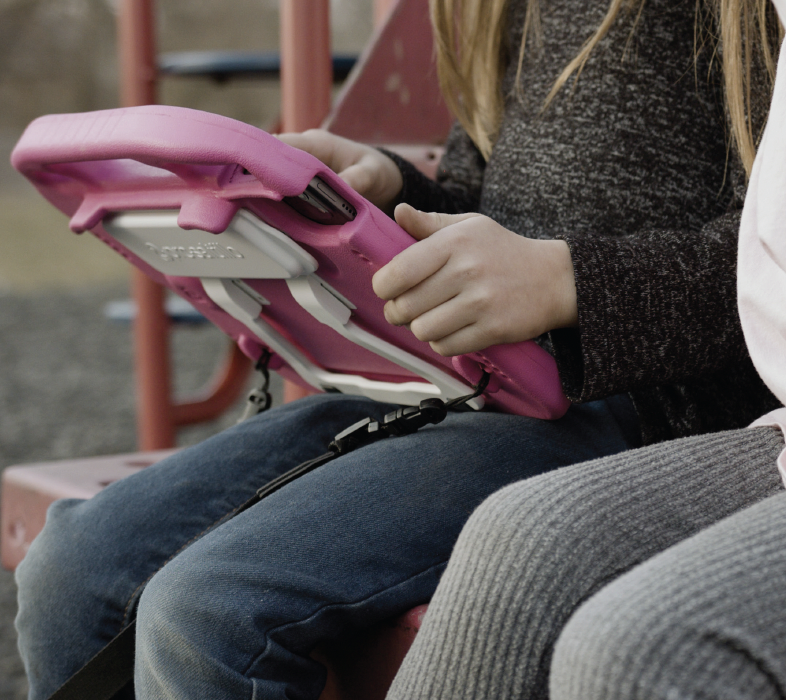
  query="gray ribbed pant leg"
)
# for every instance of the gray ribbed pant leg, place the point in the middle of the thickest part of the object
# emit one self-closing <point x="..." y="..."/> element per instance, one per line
<point x="533" y="552"/>
<point x="704" y="619"/>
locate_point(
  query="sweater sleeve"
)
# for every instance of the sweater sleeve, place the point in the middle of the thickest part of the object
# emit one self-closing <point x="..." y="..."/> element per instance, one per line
<point x="658" y="309"/>
<point x="655" y="308"/>
<point x="459" y="178"/>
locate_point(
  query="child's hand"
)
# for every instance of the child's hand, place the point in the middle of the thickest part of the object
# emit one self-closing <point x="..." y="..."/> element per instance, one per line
<point x="365" y="169"/>
<point x="470" y="283"/>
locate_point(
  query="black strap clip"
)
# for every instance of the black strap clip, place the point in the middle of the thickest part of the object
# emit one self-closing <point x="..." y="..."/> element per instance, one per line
<point x="259" y="399"/>
<point x="403" y="421"/>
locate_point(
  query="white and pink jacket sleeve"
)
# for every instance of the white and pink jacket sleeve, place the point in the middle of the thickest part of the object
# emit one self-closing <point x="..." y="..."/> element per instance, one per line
<point x="761" y="284"/>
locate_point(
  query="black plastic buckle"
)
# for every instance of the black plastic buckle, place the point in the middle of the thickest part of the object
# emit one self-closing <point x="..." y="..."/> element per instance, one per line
<point x="356" y="435"/>
<point x="403" y="421"/>
<point x="259" y="399"/>
<point x="406" y="421"/>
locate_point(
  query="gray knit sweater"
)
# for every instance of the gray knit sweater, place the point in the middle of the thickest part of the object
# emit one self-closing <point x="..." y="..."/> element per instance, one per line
<point x="631" y="166"/>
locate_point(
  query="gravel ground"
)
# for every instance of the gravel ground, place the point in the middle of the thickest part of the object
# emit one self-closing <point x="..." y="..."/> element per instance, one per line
<point x="66" y="390"/>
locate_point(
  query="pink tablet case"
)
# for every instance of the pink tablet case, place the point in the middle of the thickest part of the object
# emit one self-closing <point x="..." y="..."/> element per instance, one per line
<point x="194" y="200"/>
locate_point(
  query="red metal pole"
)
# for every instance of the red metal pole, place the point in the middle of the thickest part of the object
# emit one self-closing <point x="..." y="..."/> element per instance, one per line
<point x="306" y="64"/>
<point x="155" y="427"/>
<point x="155" y="424"/>
<point x="136" y="44"/>
<point x="306" y="80"/>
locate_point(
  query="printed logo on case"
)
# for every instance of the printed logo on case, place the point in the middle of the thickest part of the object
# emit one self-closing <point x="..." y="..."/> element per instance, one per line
<point x="200" y="251"/>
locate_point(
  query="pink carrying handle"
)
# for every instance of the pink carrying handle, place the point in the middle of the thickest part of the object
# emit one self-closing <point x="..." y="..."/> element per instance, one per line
<point x="158" y="136"/>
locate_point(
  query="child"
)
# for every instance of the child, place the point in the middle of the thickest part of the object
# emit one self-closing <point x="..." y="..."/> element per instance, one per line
<point x="623" y="267"/>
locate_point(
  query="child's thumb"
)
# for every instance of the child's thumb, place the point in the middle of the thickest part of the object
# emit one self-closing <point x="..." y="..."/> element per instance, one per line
<point x="421" y="224"/>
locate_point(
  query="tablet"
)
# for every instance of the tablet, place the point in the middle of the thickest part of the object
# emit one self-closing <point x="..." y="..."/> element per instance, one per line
<point x="268" y="244"/>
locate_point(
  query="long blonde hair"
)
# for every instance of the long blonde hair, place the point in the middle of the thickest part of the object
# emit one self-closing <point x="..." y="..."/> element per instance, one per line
<point x="472" y="56"/>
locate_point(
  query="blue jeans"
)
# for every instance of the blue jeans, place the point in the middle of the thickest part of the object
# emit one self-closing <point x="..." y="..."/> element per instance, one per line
<point x="232" y="608"/>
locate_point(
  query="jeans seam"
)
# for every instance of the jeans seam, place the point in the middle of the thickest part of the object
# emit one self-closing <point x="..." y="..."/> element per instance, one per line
<point x="329" y="606"/>
<point x="214" y="524"/>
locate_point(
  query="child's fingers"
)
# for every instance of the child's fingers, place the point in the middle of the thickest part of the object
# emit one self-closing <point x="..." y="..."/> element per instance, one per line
<point x="316" y="142"/>
<point x="358" y="177"/>
<point x="429" y="255"/>
<point x="442" y="320"/>
<point x="361" y="177"/>
<point x="470" y="338"/>
<point x="432" y="292"/>
<point x="421" y="224"/>
<point x="409" y="268"/>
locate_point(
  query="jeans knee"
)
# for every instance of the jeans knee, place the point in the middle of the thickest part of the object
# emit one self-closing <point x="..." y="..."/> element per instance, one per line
<point x="51" y="569"/>
<point x="60" y="616"/>
<point x="176" y="617"/>
<point x="185" y="635"/>
<point x="162" y="613"/>
<point x="161" y="641"/>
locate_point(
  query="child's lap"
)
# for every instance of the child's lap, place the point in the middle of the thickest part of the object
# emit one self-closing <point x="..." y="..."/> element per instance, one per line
<point x="441" y="470"/>
<point x="370" y="529"/>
